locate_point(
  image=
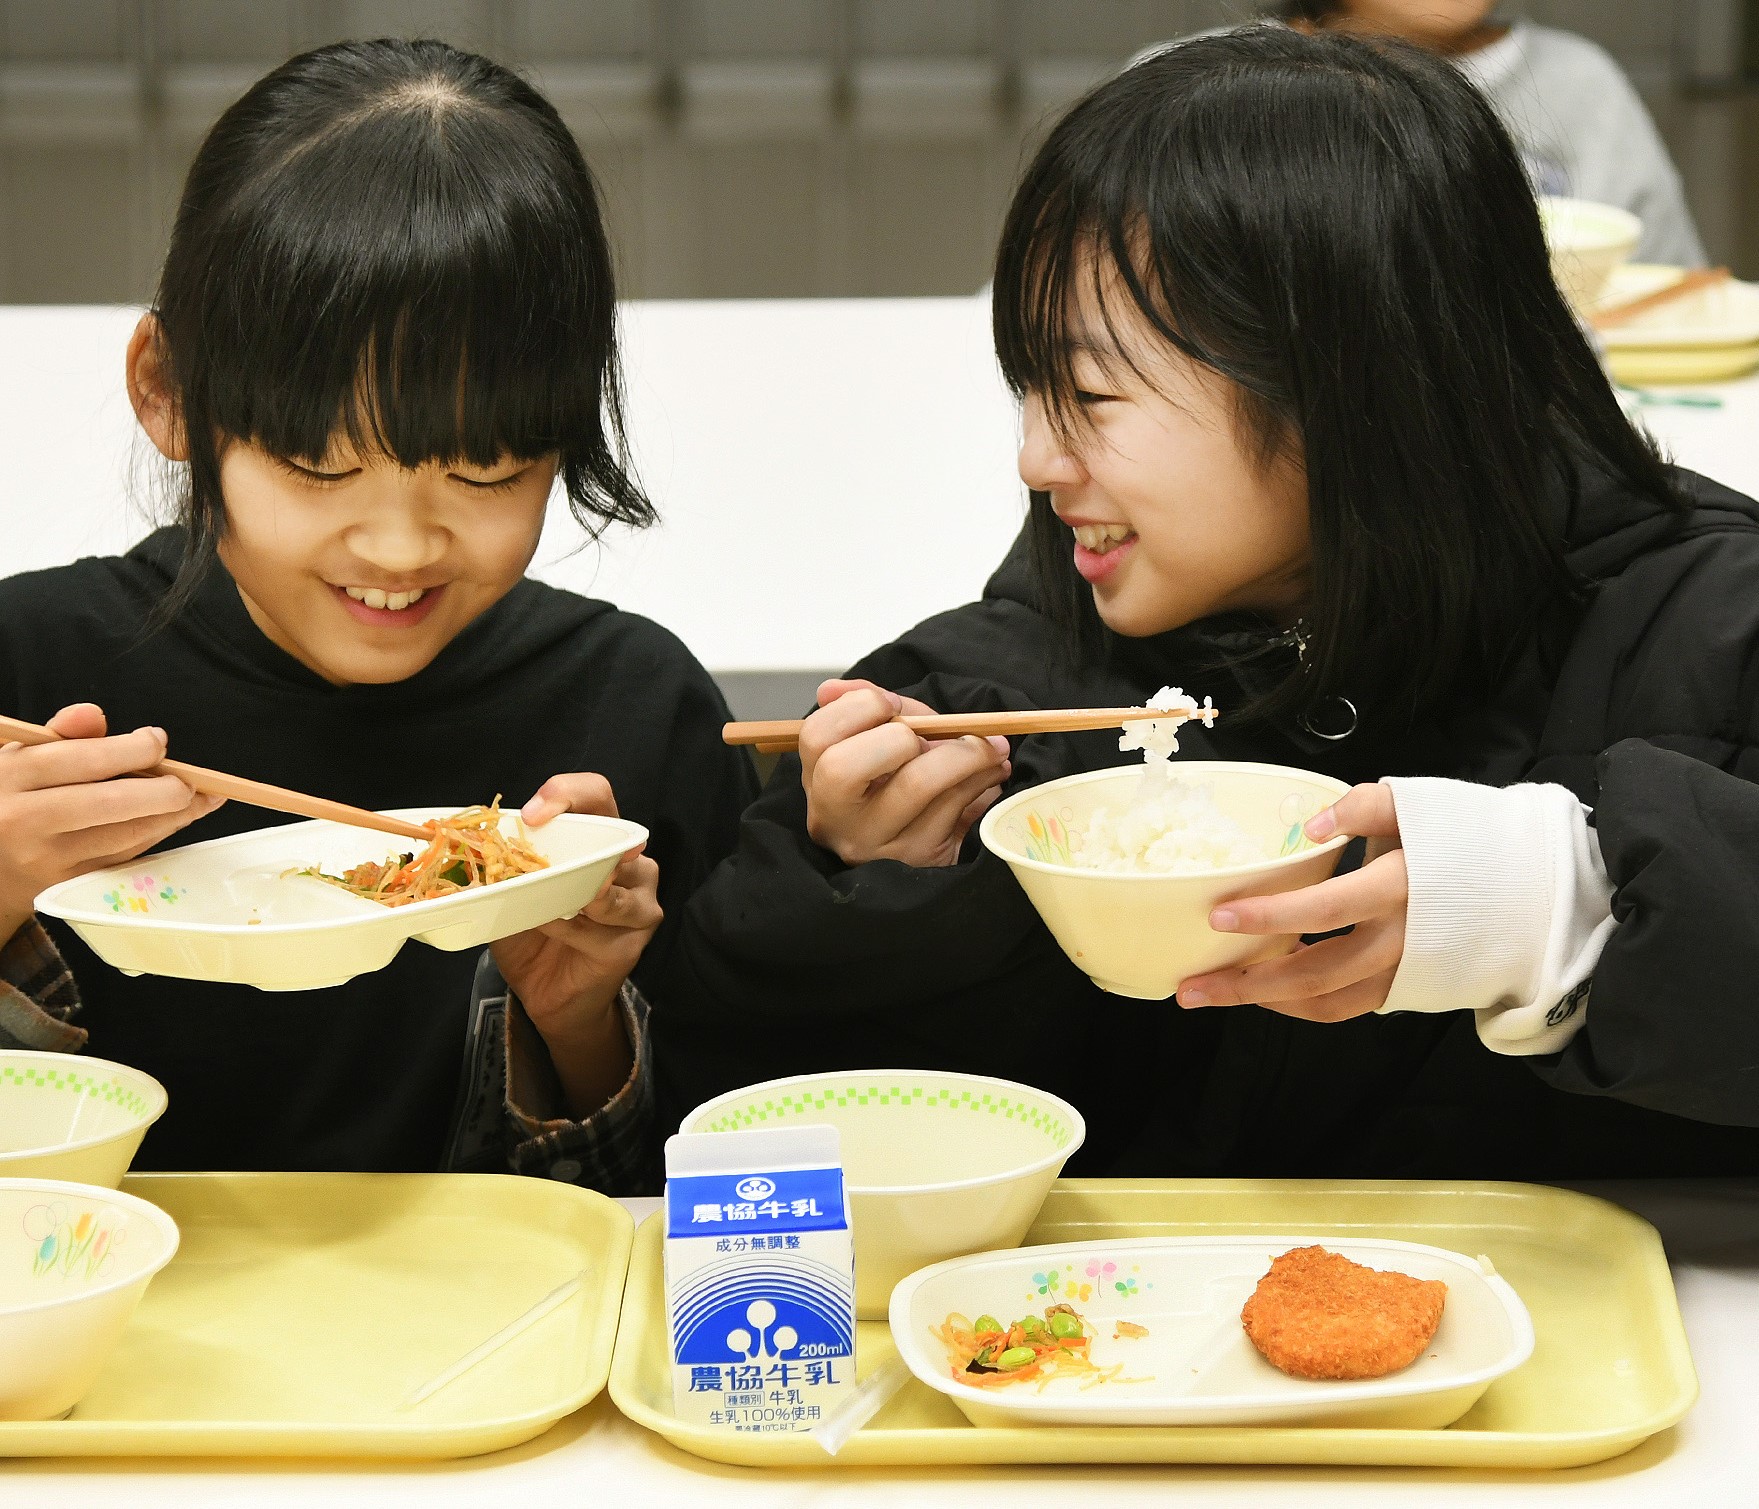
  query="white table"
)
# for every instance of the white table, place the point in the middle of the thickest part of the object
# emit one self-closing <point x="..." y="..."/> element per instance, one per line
<point x="599" y="1458"/>
<point x="828" y="472"/>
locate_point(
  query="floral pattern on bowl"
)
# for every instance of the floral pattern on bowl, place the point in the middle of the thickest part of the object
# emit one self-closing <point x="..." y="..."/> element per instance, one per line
<point x="1053" y="837"/>
<point x="79" y="1246"/>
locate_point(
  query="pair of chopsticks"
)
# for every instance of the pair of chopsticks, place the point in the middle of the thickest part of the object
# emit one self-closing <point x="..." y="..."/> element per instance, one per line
<point x="1611" y="316"/>
<point x="782" y="735"/>
<point x="237" y="789"/>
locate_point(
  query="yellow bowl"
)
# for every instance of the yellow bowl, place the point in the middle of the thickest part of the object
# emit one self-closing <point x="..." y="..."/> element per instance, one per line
<point x="74" y="1262"/>
<point x="1587" y="242"/>
<point x="1140" y="934"/>
<point x="65" y="1116"/>
<point x="937" y="1164"/>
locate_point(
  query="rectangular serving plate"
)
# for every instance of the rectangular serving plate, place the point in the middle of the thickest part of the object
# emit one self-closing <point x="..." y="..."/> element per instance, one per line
<point x="1609" y="1369"/>
<point x="302" y="1311"/>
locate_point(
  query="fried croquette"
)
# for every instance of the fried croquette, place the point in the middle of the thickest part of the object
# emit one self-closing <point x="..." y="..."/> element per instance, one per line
<point x="1318" y="1315"/>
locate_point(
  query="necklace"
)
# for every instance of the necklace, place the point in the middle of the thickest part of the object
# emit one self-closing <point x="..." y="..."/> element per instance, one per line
<point x="1296" y="637"/>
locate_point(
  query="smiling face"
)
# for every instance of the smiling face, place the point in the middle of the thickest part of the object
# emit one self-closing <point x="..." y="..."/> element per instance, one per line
<point x="361" y="569"/>
<point x="364" y="571"/>
<point x="1171" y="515"/>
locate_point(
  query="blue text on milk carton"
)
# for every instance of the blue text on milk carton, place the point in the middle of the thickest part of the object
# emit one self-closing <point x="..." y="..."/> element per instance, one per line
<point x="760" y="1289"/>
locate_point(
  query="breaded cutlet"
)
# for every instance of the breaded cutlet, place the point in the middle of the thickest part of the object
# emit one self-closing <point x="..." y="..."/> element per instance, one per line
<point x="1316" y="1314"/>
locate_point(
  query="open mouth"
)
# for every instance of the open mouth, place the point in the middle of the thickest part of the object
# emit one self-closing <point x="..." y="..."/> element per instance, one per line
<point x="396" y="602"/>
<point x="375" y="605"/>
<point x="1101" y="548"/>
<point x="1101" y="538"/>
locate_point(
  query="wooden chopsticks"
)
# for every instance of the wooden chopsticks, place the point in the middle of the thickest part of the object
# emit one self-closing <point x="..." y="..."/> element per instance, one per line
<point x="236" y="788"/>
<point x="782" y="735"/>
<point x="1610" y="316"/>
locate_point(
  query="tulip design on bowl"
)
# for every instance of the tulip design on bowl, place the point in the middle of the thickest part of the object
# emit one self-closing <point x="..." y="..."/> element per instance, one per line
<point x="73" y="1246"/>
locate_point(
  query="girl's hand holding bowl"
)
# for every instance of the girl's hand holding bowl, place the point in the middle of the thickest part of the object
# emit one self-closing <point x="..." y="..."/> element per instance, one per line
<point x="876" y="789"/>
<point x="63" y="812"/>
<point x="1336" y="978"/>
<point x="567" y="974"/>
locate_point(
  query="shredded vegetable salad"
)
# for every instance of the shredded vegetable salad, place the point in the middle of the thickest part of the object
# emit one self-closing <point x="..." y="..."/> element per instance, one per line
<point x="987" y="1354"/>
<point x="467" y="849"/>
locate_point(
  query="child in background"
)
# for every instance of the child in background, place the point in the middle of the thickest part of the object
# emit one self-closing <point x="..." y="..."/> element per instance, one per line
<point x="1581" y="128"/>
<point x="1308" y="429"/>
<point x="384" y="330"/>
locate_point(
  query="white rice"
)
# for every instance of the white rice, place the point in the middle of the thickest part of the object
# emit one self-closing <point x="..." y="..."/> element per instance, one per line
<point x="1171" y="827"/>
<point x="1158" y="738"/>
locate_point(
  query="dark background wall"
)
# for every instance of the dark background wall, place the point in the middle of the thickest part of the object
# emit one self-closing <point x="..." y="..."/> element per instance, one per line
<point x="749" y="148"/>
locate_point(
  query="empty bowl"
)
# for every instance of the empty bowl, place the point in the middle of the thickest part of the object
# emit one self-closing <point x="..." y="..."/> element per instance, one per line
<point x="936" y="1164"/>
<point x="1139" y="933"/>
<point x="74" y="1262"/>
<point x="1587" y="242"/>
<point x="65" y="1116"/>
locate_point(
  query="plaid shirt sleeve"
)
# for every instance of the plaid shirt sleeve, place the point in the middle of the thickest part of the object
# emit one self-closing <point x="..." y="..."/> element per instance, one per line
<point x="511" y="1115"/>
<point x="38" y="996"/>
<point x="614" y="1149"/>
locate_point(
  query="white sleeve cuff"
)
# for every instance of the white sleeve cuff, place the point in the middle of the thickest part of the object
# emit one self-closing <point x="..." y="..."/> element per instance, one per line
<point x="1509" y="908"/>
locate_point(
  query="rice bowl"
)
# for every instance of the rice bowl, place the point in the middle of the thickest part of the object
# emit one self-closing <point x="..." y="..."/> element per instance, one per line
<point x="1139" y="932"/>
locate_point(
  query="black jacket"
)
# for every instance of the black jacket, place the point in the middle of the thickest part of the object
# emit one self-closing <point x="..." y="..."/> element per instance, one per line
<point x="1644" y="701"/>
<point x="365" y="1075"/>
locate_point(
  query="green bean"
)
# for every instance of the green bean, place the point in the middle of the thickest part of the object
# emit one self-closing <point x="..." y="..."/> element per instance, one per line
<point x="986" y="1323"/>
<point x="1015" y="1358"/>
<point x="1065" y="1327"/>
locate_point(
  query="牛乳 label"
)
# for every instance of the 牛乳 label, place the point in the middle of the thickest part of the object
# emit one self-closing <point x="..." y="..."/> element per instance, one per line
<point x="760" y="1278"/>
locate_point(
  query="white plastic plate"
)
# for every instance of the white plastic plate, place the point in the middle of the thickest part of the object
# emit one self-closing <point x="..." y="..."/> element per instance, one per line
<point x="1197" y="1366"/>
<point x="227" y="910"/>
<point x="1725" y="314"/>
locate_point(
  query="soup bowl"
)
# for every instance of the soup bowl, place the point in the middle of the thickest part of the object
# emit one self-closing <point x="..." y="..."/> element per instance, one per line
<point x="1587" y="242"/>
<point x="65" y="1116"/>
<point x="936" y="1164"/>
<point x="74" y="1262"/>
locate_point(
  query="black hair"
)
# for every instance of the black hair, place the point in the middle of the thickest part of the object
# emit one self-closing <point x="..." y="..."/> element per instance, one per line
<point x="1343" y="230"/>
<point x="398" y="242"/>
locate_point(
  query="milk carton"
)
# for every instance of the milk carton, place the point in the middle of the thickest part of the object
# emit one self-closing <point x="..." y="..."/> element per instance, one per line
<point x="760" y="1278"/>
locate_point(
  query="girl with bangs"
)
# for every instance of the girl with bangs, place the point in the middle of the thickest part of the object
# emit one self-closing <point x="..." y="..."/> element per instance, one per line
<point x="1307" y="428"/>
<point x="384" y="331"/>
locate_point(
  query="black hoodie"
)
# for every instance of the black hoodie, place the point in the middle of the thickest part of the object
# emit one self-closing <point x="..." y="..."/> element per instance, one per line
<point x="365" y="1075"/>
<point x="1645" y="703"/>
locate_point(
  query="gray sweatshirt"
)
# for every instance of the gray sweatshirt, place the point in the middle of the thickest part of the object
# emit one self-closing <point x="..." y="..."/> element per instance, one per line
<point x="1581" y="129"/>
<point x="1583" y="132"/>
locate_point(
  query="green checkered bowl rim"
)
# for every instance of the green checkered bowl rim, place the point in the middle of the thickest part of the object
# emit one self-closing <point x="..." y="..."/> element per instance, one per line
<point x="141" y="1097"/>
<point x="791" y="1101"/>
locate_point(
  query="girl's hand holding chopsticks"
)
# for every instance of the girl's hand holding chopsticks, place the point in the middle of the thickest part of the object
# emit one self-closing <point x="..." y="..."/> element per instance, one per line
<point x="63" y="812"/>
<point x="876" y="789"/>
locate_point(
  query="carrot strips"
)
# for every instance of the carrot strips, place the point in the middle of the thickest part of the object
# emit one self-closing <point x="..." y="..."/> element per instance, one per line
<point x="468" y="849"/>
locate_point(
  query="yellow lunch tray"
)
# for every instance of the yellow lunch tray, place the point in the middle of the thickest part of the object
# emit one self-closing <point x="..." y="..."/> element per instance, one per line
<point x="1610" y="1367"/>
<point x="304" y="1312"/>
<point x="1649" y="366"/>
